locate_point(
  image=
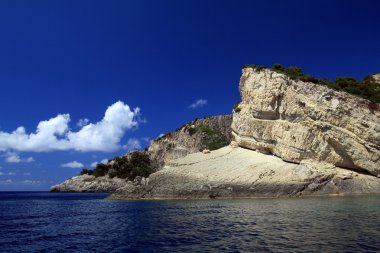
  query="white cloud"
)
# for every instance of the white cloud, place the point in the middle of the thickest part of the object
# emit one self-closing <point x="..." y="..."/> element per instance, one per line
<point x="29" y="159"/>
<point x="27" y="174"/>
<point x="83" y="122"/>
<point x="30" y="182"/>
<point x="8" y="181"/>
<point x="104" y="161"/>
<point x="1" y="173"/>
<point x="55" y="134"/>
<point x="11" y="174"/>
<point x="199" y="103"/>
<point x="27" y="182"/>
<point x="132" y="144"/>
<point x="73" y="164"/>
<point x="146" y="139"/>
<point x="11" y="157"/>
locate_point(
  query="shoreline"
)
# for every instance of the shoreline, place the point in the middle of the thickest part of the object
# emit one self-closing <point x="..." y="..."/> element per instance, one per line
<point x="121" y="198"/>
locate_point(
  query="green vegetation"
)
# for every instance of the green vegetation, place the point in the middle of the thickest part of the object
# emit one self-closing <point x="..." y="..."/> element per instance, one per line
<point x="86" y="172"/>
<point x="366" y="88"/>
<point x="212" y="139"/>
<point x="129" y="167"/>
<point x="100" y="170"/>
<point x="236" y="106"/>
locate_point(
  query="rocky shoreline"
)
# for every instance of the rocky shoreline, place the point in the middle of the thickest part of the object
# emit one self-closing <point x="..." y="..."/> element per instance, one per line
<point x="234" y="172"/>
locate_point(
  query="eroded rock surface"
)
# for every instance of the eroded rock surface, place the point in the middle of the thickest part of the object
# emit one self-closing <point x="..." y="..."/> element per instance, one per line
<point x="195" y="136"/>
<point x="87" y="183"/>
<point x="238" y="172"/>
<point x="299" y="121"/>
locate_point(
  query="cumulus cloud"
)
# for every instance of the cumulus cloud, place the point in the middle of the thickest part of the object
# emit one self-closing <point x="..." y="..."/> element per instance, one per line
<point x="198" y="104"/>
<point x="11" y="157"/>
<point x="27" y="174"/>
<point x="1" y="173"/>
<point x="132" y="144"/>
<point x="73" y="164"/>
<point x="55" y="134"/>
<point x="11" y="174"/>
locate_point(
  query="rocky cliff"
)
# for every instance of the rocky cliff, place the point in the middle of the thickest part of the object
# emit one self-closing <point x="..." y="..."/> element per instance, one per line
<point x="291" y="138"/>
<point x="299" y="121"/>
<point x="206" y="133"/>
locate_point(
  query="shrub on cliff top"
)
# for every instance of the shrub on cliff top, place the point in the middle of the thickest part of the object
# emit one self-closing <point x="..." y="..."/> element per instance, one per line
<point x="129" y="167"/>
<point x="86" y="172"/>
<point x="100" y="170"/>
<point x="135" y="164"/>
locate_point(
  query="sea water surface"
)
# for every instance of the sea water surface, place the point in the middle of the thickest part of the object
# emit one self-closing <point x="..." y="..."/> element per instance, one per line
<point x="61" y="222"/>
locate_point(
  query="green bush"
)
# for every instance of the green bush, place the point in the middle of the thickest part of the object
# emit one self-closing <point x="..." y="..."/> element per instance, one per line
<point x="278" y="68"/>
<point x="249" y="66"/>
<point x="293" y="72"/>
<point x="100" y="170"/>
<point x="86" y="172"/>
<point x="131" y="166"/>
<point x="236" y="106"/>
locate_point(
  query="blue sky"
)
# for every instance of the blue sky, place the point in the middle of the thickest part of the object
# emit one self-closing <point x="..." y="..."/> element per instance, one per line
<point x="64" y="64"/>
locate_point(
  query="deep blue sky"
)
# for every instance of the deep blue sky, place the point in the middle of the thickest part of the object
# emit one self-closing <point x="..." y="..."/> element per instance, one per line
<point x="79" y="57"/>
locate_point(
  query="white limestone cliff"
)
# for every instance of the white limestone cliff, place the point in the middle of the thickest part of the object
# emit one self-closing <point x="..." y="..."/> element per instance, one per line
<point x="300" y="121"/>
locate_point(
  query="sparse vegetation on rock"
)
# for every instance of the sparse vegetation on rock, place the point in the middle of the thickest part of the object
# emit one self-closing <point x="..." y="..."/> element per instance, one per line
<point x="129" y="167"/>
<point x="212" y="139"/>
<point x="236" y="106"/>
<point x="367" y="88"/>
<point x="132" y="165"/>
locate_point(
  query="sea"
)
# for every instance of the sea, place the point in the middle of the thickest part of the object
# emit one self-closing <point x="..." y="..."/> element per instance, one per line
<point x="84" y="222"/>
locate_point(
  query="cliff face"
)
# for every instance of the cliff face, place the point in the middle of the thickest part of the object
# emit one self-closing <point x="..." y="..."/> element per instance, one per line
<point x="300" y="121"/>
<point x="206" y="133"/>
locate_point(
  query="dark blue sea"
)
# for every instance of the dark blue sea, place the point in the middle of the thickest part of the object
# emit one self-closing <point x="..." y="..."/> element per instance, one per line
<point x="60" y="222"/>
